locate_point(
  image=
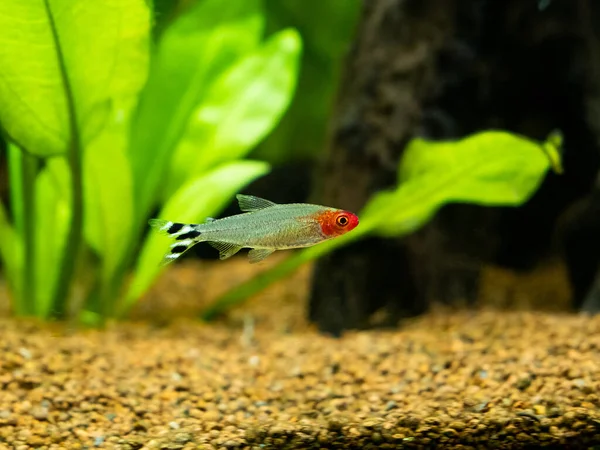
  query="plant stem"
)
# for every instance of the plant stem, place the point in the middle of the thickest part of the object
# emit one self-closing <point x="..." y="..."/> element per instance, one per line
<point x="15" y="178"/>
<point x="74" y="152"/>
<point x="29" y="165"/>
<point x="11" y="254"/>
<point x="109" y="293"/>
<point x="242" y="292"/>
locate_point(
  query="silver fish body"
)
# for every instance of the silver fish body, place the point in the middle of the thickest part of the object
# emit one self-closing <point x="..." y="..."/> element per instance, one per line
<point x="265" y="227"/>
<point x="285" y="227"/>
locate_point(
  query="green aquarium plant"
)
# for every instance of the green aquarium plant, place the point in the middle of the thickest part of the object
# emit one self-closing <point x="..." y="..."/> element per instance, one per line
<point x="107" y="128"/>
<point x="490" y="168"/>
<point x="327" y="30"/>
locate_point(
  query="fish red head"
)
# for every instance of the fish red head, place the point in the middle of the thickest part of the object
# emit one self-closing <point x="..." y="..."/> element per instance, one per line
<point x="335" y="222"/>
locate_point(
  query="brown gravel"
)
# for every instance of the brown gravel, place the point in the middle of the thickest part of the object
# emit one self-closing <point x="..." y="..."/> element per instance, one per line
<point x="447" y="380"/>
<point x="491" y="380"/>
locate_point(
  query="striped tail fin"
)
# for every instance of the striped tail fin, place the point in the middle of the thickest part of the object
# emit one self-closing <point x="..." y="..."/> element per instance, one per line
<point x="185" y="236"/>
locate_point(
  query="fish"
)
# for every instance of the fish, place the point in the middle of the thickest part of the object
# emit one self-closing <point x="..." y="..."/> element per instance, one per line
<point x="263" y="226"/>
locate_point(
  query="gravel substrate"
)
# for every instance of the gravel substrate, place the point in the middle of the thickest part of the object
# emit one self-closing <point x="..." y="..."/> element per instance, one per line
<point x="462" y="380"/>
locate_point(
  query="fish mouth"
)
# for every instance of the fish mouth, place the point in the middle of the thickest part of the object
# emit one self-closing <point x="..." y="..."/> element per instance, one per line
<point x="354" y="221"/>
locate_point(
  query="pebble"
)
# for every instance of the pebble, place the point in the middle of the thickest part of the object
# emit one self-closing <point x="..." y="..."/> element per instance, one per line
<point x="133" y="385"/>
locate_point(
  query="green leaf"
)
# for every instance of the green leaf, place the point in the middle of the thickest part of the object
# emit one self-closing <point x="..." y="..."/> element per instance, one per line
<point x="100" y="41"/>
<point x="489" y="168"/>
<point x="108" y="194"/>
<point x="240" y="108"/>
<point x="327" y="26"/>
<point x="191" y="52"/>
<point x="326" y="29"/>
<point x="192" y="203"/>
<point x="553" y="149"/>
<point x="53" y="213"/>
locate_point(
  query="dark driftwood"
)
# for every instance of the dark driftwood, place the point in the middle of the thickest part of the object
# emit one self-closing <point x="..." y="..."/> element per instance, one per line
<point x="445" y="69"/>
<point x="389" y="74"/>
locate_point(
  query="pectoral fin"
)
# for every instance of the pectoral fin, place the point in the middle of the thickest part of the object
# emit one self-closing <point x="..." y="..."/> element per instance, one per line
<point x="258" y="254"/>
<point x="225" y="250"/>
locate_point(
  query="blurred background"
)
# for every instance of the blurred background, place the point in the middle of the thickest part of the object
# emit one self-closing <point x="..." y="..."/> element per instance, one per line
<point x="375" y="74"/>
<point x="443" y="70"/>
<point x="327" y="30"/>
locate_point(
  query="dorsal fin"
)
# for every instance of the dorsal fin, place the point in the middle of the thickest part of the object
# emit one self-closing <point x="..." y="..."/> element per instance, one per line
<point x="251" y="203"/>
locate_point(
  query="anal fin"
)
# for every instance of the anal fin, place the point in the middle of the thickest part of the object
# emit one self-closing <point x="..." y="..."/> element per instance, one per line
<point x="258" y="254"/>
<point x="226" y="250"/>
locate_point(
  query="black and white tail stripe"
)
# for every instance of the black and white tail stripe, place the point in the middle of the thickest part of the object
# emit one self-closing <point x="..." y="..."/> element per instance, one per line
<point x="184" y="234"/>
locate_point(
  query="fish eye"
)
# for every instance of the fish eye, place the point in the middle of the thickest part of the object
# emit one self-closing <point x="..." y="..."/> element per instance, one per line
<point x="342" y="220"/>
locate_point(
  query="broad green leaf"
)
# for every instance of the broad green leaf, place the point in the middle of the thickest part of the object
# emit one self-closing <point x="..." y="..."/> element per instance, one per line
<point x="45" y="45"/>
<point x="488" y="168"/>
<point x="192" y="203"/>
<point x="108" y="193"/>
<point x="240" y="108"/>
<point x="190" y="54"/>
<point x="53" y="213"/>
